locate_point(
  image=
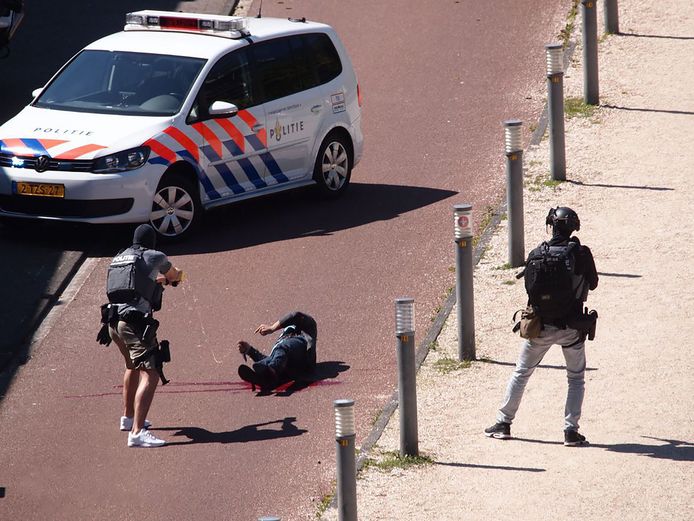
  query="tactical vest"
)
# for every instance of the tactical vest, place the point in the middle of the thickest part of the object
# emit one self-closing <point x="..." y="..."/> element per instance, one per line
<point x="128" y="279"/>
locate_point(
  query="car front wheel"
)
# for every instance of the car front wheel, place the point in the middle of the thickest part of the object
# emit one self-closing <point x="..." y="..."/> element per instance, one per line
<point x="176" y="209"/>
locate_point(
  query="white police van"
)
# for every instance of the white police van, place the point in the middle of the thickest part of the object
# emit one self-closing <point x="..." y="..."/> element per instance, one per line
<point x="180" y="113"/>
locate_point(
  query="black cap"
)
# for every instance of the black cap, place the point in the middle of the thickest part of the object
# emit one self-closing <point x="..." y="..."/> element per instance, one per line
<point x="145" y="236"/>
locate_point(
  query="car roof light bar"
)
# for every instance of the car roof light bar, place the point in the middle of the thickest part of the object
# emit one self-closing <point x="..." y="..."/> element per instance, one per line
<point x="215" y="25"/>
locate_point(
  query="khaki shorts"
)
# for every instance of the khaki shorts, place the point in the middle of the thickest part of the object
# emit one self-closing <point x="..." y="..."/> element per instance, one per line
<point x="132" y="347"/>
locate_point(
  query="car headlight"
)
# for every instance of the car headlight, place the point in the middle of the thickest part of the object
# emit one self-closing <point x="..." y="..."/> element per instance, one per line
<point x="121" y="161"/>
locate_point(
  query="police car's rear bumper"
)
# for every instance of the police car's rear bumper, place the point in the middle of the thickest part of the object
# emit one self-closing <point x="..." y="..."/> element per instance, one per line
<point x="124" y="197"/>
<point x="357" y="140"/>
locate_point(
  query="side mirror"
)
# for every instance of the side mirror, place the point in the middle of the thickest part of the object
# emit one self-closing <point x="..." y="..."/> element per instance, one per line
<point x="222" y="109"/>
<point x="36" y="92"/>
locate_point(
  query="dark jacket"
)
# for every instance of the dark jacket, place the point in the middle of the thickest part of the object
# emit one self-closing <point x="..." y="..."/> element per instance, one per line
<point x="309" y="331"/>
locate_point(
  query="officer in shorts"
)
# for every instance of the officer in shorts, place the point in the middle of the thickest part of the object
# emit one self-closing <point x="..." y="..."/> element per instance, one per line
<point x="134" y="287"/>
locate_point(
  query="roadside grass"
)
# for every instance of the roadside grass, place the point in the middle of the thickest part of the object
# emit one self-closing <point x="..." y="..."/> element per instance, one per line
<point x="325" y="503"/>
<point x="541" y="181"/>
<point x="565" y="34"/>
<point x="485" y="221"/>
<point x="448" y="365"/>
<point x="576" y="107"/>
<point x="389" y="460"/>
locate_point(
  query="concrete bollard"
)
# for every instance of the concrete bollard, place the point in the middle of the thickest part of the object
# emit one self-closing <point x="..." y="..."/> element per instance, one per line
<point x="611" y="16"/>
<point x="345" y="436"/>
<point x="514" y="191"/>
<point x="591" y="89"/>
<point x="555" y="106"/>
<point x="407" y="376"/>
<point x="464" y="281"/>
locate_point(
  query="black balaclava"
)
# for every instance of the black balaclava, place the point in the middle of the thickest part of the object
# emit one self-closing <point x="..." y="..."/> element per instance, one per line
<point x="145" y="236"/>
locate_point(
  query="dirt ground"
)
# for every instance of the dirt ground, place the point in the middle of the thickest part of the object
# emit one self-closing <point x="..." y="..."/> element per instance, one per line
<point x="628" y="169"/>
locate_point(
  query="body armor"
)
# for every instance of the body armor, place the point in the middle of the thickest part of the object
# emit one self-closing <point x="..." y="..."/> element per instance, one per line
<point x="128" y="279"/>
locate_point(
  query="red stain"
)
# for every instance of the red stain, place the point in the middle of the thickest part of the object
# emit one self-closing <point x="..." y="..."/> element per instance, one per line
<point x="233" y="387"/>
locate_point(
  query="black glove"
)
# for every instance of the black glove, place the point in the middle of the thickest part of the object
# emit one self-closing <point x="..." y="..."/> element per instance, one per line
<point x="103" y="337"/>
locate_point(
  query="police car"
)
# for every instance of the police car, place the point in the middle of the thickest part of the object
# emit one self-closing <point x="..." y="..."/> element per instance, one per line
<point x="180" y="113"/>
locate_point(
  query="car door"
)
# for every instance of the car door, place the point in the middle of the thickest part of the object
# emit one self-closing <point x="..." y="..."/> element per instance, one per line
<point x="293" y="105"/>
<point x="233" y="146"/>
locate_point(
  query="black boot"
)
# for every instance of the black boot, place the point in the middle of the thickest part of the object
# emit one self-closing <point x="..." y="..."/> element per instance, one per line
<point x="249" y="375"/>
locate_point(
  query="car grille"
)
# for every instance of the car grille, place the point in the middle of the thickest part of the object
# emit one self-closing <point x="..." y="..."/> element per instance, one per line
<point x="65" y="165"/>
<point x="52" y="207"/>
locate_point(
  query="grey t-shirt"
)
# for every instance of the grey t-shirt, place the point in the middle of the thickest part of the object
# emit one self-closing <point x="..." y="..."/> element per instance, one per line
<point x="157" y="262"/>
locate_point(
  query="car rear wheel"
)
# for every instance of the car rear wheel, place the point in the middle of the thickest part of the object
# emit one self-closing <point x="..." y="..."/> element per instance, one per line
<point x="333" y="166"/>
<point x="176" y="209"/>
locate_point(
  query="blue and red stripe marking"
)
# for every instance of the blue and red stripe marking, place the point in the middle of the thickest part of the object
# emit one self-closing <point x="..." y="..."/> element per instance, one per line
<point x="165" y="156"/>
<point x="39" y="147"/>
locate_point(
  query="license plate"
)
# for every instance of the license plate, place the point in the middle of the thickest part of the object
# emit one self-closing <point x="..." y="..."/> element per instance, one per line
<point x="41" y="189"/>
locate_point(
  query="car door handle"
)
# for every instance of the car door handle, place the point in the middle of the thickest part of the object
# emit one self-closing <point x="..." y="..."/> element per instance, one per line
<point x="257" y="127"/>
<point x="316" y="109"/>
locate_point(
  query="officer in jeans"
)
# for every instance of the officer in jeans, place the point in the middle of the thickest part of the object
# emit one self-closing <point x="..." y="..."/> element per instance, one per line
<point x="134" y="282"/>
<point x="293" y="354"/>
<point x="564" y="221"/>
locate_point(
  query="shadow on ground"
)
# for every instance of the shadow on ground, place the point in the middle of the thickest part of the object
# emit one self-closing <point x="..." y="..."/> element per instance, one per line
<point x="249" y="433"/>
<point x="675" y="450"/>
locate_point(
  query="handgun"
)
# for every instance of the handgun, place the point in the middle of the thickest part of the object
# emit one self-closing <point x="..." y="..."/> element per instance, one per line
<point x="591" y="332"/>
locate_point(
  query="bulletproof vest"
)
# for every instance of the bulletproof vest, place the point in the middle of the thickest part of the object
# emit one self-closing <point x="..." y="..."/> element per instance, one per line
<point x="128" y="278"/>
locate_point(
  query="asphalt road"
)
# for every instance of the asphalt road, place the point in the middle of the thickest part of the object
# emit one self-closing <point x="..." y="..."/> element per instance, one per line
<point x="437" y="84"/>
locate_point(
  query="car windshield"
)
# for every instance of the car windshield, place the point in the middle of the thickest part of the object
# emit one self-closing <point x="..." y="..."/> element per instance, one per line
<point x="127" y="83"/>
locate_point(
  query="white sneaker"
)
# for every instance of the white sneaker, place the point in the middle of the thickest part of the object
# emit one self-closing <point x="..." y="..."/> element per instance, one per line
<point x="144" y="438"/>
<point x="126" y="423"/>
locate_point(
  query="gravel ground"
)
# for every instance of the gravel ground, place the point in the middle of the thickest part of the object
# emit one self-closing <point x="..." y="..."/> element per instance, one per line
<point x="628" y="168"/>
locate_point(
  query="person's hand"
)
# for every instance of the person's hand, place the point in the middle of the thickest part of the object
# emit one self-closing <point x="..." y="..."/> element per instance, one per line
<point x="264" y="329"/>
<point x="243" y="347"/>
<point x="180" y="277"/>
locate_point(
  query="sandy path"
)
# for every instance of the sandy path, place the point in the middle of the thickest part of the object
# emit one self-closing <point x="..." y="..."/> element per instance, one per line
<point x="630" y="168"/>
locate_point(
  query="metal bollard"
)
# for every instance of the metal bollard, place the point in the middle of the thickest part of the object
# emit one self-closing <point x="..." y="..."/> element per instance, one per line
<point x="345" y="435"/>
<point x="463" y="284"/>
<point x="611" y="15"/>
<point x="555" y="106"/>
<point x="407" y="376"/>
<point x="591" y="90"/>
<point x="514" y="191"/>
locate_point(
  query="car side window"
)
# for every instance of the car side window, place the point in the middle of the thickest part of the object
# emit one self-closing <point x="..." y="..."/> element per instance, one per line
<point x="274" y="69"/>
<point x="304" y="70"/>
<point x="228" y="80"/>
<point x="324" y="56"/>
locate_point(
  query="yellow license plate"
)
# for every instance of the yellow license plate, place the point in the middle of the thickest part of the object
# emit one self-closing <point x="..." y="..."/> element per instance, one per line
<point x="41" y="189"/>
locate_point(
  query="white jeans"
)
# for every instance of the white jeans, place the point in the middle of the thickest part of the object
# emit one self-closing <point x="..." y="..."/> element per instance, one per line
<point x="532" y="352"/>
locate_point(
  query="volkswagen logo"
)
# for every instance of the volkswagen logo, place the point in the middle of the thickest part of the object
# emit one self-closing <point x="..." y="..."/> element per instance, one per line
<point x="42" y="163"/>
